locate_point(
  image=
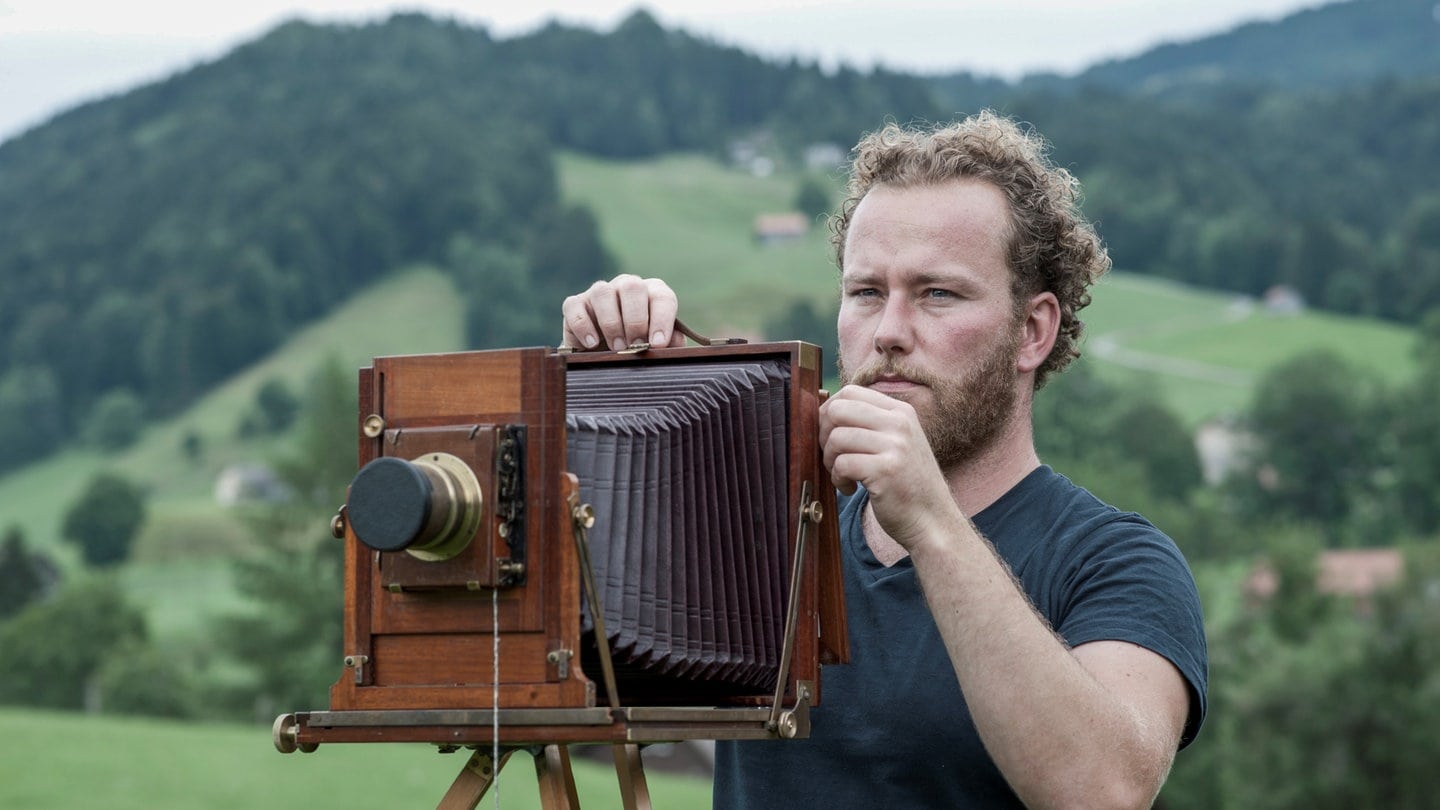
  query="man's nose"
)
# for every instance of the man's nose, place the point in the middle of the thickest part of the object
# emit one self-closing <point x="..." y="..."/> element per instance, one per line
<point x="894" y="333"/>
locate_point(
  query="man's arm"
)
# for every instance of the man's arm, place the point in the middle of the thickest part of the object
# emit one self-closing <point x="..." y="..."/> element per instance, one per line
<point x="1094" y="726"/>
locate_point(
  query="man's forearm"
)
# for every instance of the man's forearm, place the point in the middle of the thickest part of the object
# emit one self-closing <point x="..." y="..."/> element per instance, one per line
<point x="1058" y="733"/>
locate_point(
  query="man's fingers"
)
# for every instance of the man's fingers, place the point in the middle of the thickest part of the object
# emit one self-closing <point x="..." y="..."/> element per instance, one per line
<point x="634" y="296"/>
<point x="578" y="326"/>
<point x="616" y="313"/>
<point x="663" y="306"/>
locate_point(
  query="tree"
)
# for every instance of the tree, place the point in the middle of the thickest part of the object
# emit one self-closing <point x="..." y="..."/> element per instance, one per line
<point x="192" y="445"/>
<point x="1070" y="414"/>
<point x="1317" y="701"/>
<point x="30" y="401"/>
<point x="502" y="308"/>
<point x="812" y="198"/>
<point x="274" y="410"/>
<point x="289" y="641"/>
<point x="54" y="648"/>
<point x="1147" y="432"/>
<point x="802" y="320"/>
<point x="137" y="678"/>
<point x="25" y="575"/>
<point x="104" y="520"/>
<point x="1317" y="420"/>
<point x="115" y="421"/>
<point x="1417" y="435"/>
<point x="321" y="460"/>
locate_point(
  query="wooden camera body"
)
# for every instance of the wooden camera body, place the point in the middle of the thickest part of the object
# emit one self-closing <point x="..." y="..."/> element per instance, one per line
<point x="467" y="616"/>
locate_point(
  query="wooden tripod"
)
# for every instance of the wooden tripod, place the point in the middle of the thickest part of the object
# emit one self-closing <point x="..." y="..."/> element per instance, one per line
<point x="552" y="769"/>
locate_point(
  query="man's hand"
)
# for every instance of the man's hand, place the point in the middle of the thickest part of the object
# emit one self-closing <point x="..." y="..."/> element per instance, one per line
<point x="613" y="314"/>
<point x="876" y="440"/>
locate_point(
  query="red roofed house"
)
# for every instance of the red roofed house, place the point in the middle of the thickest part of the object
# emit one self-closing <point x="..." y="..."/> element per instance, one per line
<point x="1343" y="572"/>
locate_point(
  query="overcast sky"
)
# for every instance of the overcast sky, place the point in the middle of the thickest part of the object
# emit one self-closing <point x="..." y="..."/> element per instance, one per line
<point x="58" y="53"/>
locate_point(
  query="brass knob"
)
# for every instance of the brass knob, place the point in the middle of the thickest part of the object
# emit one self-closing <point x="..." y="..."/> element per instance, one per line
<point x="584" y="515"/>
<point x="813" y="512"/>
<point x="374" y="425"/>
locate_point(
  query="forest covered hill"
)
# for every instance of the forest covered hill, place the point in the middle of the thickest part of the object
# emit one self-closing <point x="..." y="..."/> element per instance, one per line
<point x="154" y="242"/>
<point x="1333" y="45"/>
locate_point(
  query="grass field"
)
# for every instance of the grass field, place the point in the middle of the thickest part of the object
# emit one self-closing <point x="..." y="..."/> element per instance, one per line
<point x="54" y="761"/>
<point x="1203" y="351"/>
<point x="689" y="220"/>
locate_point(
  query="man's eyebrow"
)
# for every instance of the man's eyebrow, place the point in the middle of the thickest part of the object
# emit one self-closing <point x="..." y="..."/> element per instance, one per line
<point x="932" y="279"/>
<point x="922" y="278"/>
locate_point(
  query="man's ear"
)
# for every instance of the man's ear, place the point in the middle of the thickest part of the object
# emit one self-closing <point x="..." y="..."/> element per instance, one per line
<point x="1040" y="325"/>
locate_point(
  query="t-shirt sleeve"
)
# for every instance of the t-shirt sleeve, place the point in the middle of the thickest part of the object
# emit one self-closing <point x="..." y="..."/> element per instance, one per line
<point x="1130" y="583"/>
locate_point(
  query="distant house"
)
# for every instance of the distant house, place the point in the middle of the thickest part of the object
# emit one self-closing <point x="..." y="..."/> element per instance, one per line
<point x="249" y="483"/>
<point x="1224" y="448"/>
<point x="779" y="229"/>
<point x="1282" y="299"/>
<point x="1356" y="573"/>
<point x="824" y="156"/>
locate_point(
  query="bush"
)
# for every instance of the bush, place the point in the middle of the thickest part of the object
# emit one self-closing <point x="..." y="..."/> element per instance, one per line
<point x="140" y="679"/>
<point x="54" y="648"/>
<point x="103" y="521"/>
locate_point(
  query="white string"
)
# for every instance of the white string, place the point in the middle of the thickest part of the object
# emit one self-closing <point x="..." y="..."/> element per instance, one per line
<point x="495" y="695"/>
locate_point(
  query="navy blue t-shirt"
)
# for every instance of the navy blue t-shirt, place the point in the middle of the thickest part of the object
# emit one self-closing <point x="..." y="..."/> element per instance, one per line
<point x="893" y="727"/>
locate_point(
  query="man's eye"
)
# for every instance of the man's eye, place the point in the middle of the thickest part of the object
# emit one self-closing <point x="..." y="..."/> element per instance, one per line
<point x="935" y="292"/>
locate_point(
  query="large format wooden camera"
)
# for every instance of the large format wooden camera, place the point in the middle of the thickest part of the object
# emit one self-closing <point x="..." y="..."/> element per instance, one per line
<point x="545" y="547"/>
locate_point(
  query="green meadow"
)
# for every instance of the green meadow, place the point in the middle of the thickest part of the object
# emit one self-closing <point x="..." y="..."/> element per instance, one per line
<point x="55" y="761"/>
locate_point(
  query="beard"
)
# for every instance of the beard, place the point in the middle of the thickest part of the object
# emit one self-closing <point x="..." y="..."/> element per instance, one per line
<point x="968" y="413"/>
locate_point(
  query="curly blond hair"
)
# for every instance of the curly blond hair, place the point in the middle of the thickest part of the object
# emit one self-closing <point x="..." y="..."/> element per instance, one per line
<point x="1052" y="247"/>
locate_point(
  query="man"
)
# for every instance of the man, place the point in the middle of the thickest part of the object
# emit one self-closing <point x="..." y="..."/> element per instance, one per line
<point x="1014" y="641"/>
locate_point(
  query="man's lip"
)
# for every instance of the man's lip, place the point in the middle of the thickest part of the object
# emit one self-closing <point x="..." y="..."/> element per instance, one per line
<point x="893" y="383"/>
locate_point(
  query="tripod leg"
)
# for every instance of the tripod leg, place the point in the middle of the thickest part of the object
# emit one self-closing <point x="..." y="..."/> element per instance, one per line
<point x="557" y="781"/>
<point x="633" y="791"/>
<point x="472" y="782"/>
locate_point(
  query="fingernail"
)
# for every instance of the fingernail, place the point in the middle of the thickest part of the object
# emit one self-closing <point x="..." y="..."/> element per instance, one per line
<point x="657" y="339"/>
<point x="616" y="345"/>
<point x="590" y="341"/>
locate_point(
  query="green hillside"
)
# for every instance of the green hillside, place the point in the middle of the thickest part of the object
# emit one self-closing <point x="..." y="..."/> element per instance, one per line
<point x="179" y="571"/>
<point x="120" y="764"/>
<point x="1314" y="47"/>
<point x="688" y="220"/>
<point x="1204" y="350"/>
<point x="411" y="312"/>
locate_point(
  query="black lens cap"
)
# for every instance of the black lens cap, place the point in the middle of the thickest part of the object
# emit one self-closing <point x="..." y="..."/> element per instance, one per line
<point x="389" y="504"/>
